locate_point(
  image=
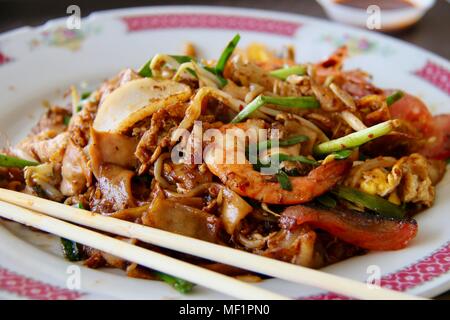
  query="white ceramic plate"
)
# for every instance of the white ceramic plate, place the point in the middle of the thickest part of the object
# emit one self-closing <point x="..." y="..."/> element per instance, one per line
<point x="40" y="63"/>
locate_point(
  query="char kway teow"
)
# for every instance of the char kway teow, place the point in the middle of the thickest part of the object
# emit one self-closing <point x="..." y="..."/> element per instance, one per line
<point x="343" y="166"/>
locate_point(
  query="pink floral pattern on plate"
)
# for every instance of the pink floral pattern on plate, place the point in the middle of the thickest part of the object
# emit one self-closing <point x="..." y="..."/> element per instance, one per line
<point x="22" y="286"/>
<point x="4" y="58"/>
<point x="425" y="270"/>
<point x="208" y="21"/>
<point x="436" y="75"/>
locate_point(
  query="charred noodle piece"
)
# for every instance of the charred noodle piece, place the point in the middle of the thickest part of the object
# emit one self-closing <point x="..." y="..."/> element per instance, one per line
<point x="283" y="73"/>
<point x="372" y="202"/>
<point x="13" y="162"/>
<point x="178" y="218"/>
<point x="291" y="102"/>
<point x="367" y="231"/>
<point x="180" y="285"/>
<point x="355" y="139"/>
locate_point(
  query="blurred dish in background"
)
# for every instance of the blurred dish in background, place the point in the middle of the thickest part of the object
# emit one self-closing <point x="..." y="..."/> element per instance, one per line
<point x="394" y="14"/>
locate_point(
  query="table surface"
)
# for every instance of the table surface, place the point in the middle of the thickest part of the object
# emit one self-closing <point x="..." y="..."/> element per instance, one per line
<point x="430" y="33"/>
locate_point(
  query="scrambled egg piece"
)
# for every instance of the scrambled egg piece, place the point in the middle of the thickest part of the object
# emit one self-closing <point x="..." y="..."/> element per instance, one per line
<point x="407" y="181"/>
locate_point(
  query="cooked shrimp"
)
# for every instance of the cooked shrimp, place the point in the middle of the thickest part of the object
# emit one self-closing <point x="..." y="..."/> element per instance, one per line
<point x="247" y="182"/>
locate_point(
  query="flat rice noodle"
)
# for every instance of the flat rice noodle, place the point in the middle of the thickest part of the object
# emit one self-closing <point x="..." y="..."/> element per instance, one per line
<point x="233" y="210"/>
<point x="181" y="219"/>
<point x="114" y="189"/>
<point x="137" y="100"/>
<point x="113" y="148"/>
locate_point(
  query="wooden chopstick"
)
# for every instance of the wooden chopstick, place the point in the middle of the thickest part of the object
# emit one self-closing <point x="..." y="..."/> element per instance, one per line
<point x="207" y="278"/>
<point x="214" y="252"/>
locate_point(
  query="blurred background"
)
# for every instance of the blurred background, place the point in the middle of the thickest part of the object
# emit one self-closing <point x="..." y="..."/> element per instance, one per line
<point x="431" y="32"/>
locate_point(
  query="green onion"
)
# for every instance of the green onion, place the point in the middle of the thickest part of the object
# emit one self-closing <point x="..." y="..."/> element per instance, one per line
<point x="343" y="154"/>
<point x="394" y="97"/>
<point x="79" y="206"/>
<point x="283" y="73"/>
<point x="284" y="181"/>
<point x="67" y="120"/>
<point x="291" y="102"/>
<point x="326" y="200"/>
<point x="191" y="71"/>
<point x="180" y="285"/>
<point x="85" y="95"/>
<point x="182" y="59"/>
<point x="223" y="82"/>
<point x="79" y="107"/>
<point x="372" y="202"/>
<point x="145" y="70"/>
<point x="301" y="159"/>
<point x="71" y="250"/>
<point x="355" y="139"/>
<point x="13" y="162"/>
<point x="263" y="145"/>
<point x="220" y="66"/>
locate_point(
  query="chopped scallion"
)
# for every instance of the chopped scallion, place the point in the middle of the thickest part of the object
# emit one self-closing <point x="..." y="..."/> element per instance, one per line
<point x="372" y="202"/>
<point x="284" y="181"/>
<point x="13" y="162"/>
<point x="355" y="139"/>
<point x="220" y="66"/>
<point x="283" y="73"/>
<point x="394" y="97"/>
<point x="291" y="102"/>
<point x="180" y="285"/>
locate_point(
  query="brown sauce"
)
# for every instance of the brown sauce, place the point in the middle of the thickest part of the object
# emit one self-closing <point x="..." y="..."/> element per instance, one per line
<point x="383" y="4"/>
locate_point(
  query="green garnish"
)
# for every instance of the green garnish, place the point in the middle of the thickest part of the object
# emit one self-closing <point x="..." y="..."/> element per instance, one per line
<point x="72" y="251"/>
<point x="394" y="97"/>
<point x="191" y="71"/>
<point x="79" y="108"/>
<point x="13" y="162"/>
<point x="79" y="205"/>
<point x="326" y="200"/>
<point x="283" y="73"/>
<point x="343" y="154"/>
<point x="182" y="59"/>
<point x="223" y="82"/>
<point x="220" y="66"/>
<point x="67" y="120"/>
<point x="355" y="139"/>
<point x="180" y="285"/>
<point x="263" y="145"/>
<point x="372" y="202"/>
<point x="291" y="102"/>
<point x="85" y="95"/>
<point x="145" y="70"/>
<point x="301" y="159"/>
<point x="284" y="181"/>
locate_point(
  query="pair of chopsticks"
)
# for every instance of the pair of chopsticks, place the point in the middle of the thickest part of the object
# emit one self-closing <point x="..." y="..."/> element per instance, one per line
<point x="45" y="214"/>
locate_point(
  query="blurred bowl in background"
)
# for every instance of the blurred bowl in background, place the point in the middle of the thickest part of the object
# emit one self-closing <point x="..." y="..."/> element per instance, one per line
<point x="394" y="15"/>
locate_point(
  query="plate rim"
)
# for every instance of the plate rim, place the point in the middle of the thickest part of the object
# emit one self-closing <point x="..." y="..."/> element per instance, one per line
<point x="444" y="279"/>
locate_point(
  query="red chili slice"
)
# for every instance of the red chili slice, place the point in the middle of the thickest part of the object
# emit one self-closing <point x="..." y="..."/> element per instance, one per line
<point x="368" y="231"/>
